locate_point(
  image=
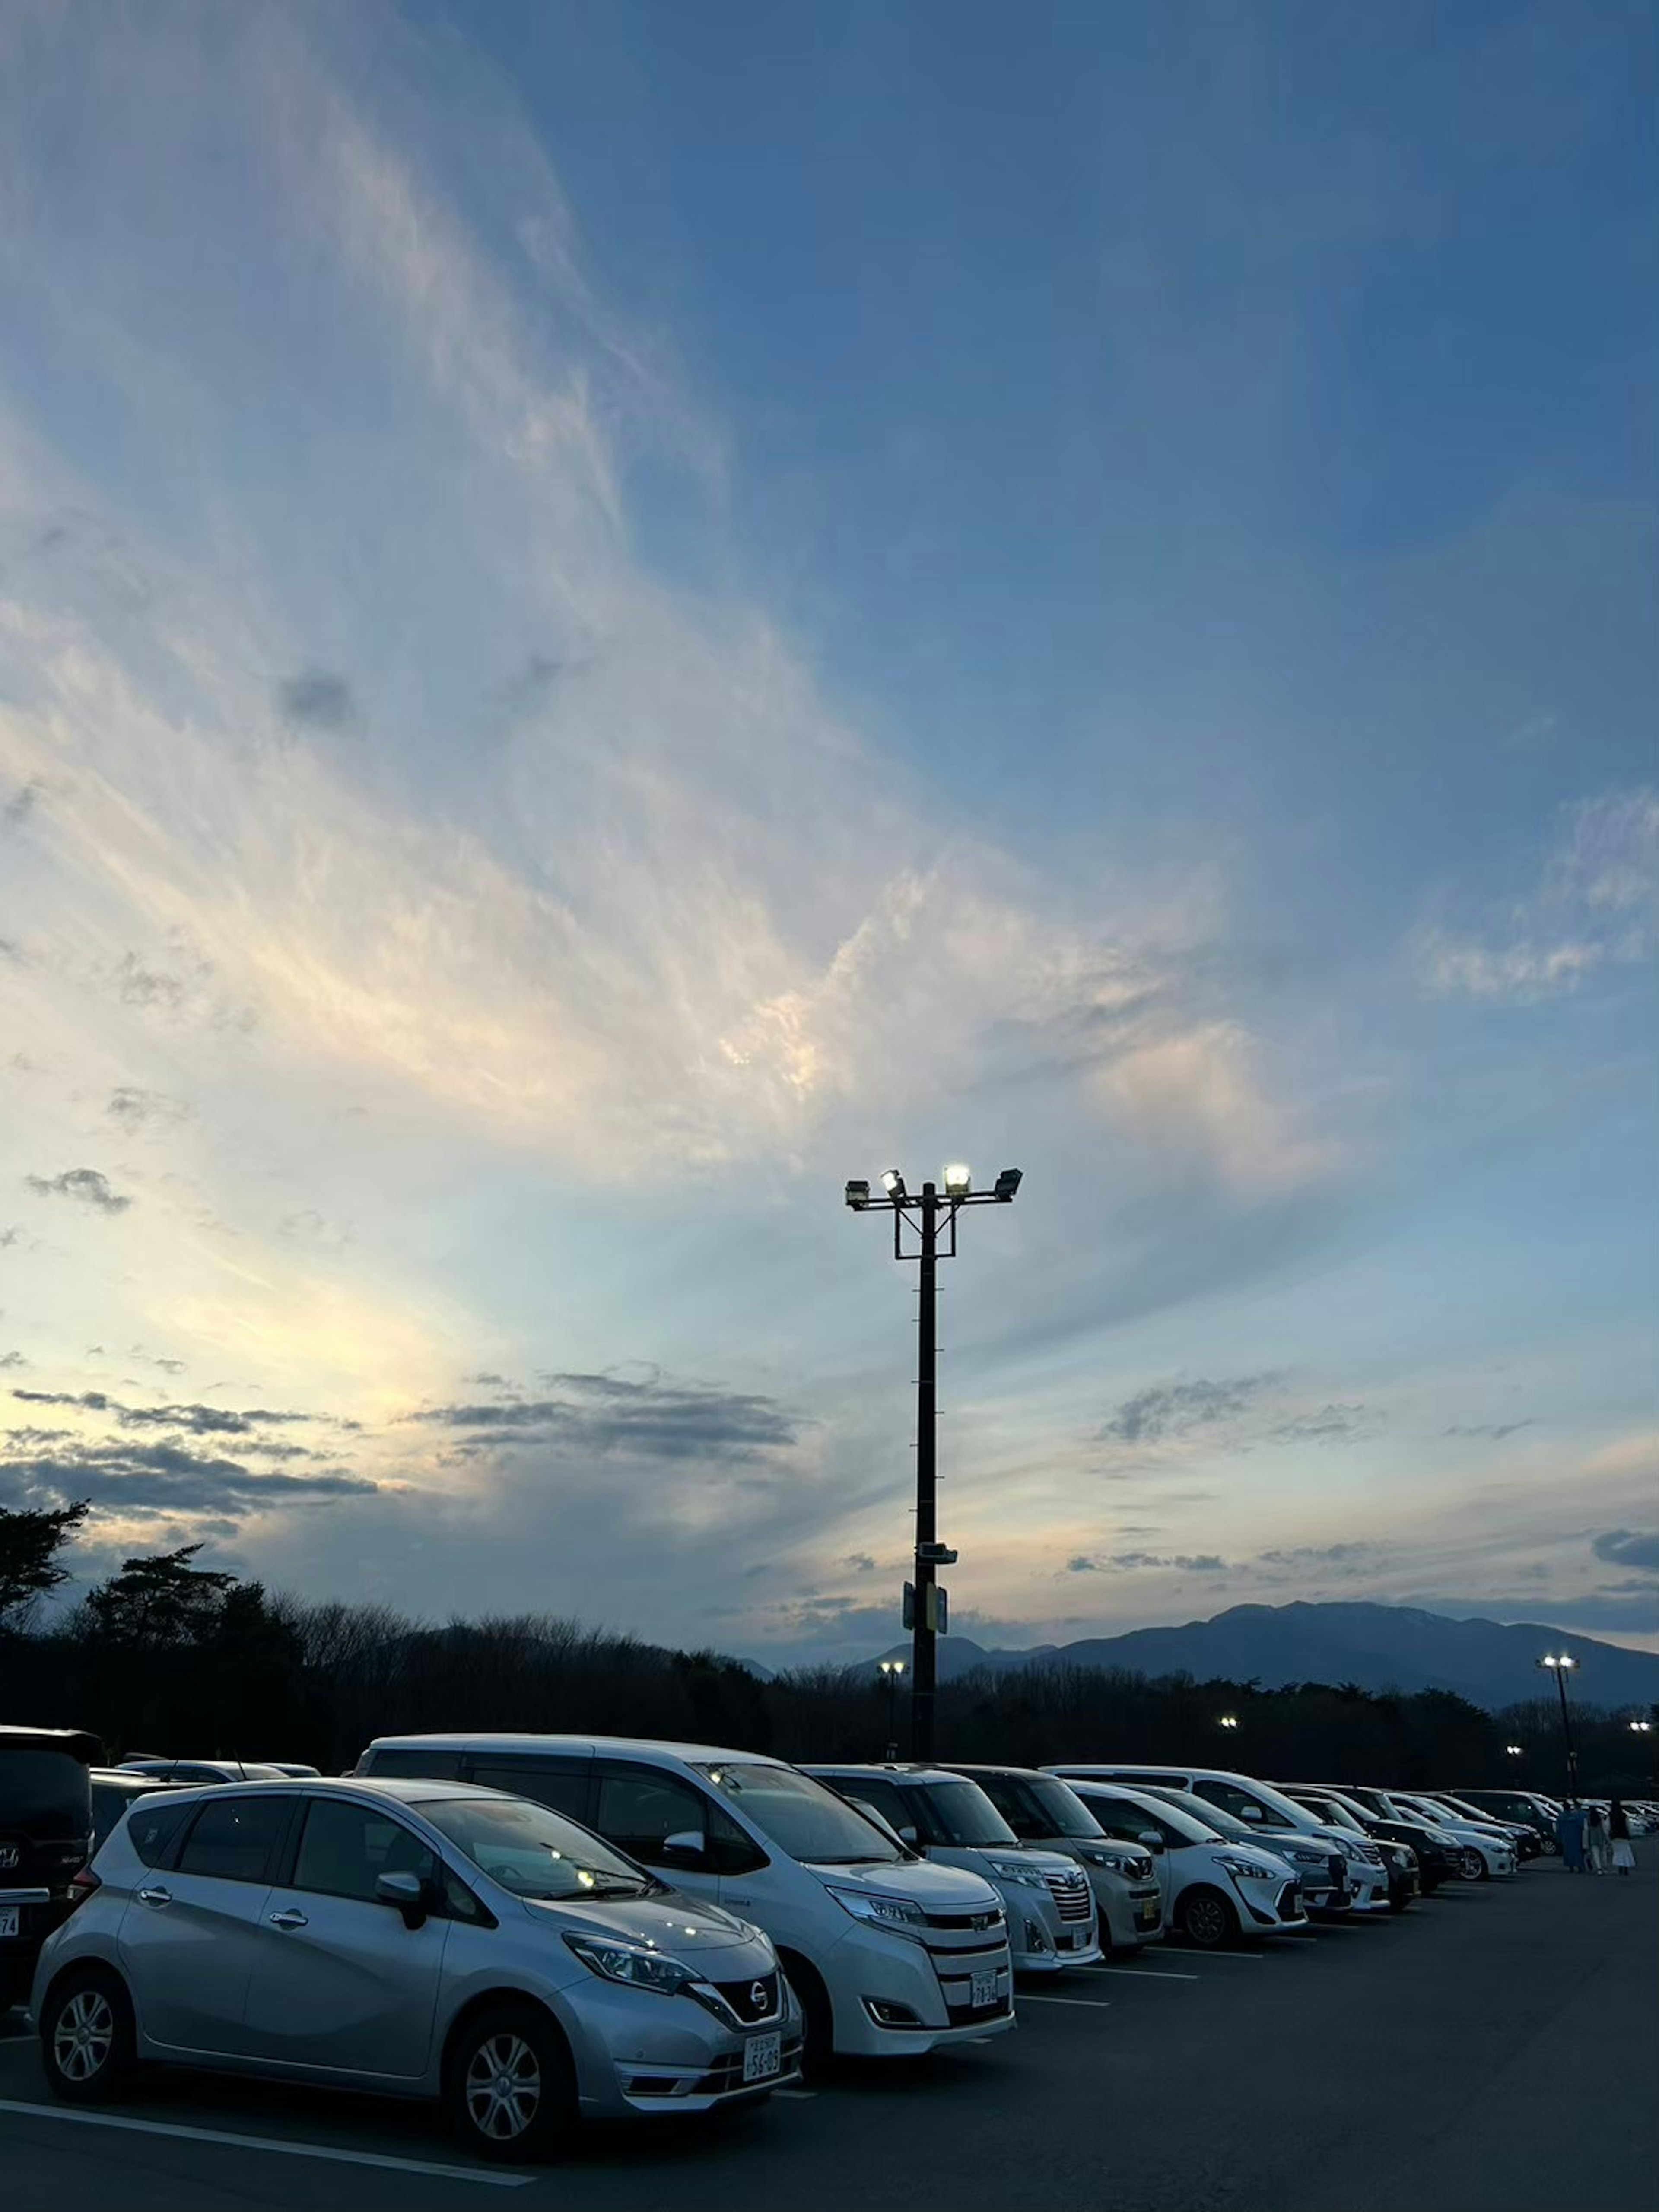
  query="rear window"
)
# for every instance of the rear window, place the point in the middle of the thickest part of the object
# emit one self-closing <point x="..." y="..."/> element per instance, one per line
<point x="234" y="1838"/>
<point x="155" y="1821"/>
<point x="46" y="1792"/>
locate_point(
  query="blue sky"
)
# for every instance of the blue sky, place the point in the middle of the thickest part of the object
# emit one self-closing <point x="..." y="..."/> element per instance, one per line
<point x="610" y="615"/>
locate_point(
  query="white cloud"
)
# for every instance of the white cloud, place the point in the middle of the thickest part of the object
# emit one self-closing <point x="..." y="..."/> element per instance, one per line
<point x="1596" y="906"/>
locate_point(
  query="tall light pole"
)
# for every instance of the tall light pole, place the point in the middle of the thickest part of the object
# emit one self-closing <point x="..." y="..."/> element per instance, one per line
<point x="891" y="1671"/>
<point x="1561" y="1664"/>
<point x="925" y="1216"/>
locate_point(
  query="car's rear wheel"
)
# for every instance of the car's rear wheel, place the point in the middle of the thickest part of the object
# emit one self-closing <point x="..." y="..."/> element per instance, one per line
<point x="1206" y="1919"/>
<point x="1471" y="1866"/>
<point x="86" y="2043"/>
<point x="510" y="2087"/>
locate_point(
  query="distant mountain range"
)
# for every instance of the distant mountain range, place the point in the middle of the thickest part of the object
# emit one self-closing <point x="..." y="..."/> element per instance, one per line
<point x="1379" y="1647"/>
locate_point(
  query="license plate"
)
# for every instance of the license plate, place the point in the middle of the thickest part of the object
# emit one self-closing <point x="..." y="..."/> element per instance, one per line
<point x="1146" y="1917"/>
<point x="762" y="2057"/>
<point x="983" y="1987"/>
<point x="8" y="1919"/>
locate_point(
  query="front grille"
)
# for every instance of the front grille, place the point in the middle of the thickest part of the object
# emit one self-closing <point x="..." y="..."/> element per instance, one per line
<point x="972" y="1924"/>
<point x="956" y="1961"/>
<point x="754" y="2000"/>
<point x="1289" y="1902"/>
<point x="1071" y="1895"/>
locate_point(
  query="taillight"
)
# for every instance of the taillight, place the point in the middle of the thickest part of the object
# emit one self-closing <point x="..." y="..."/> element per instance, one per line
<point x="82" y="1886"/>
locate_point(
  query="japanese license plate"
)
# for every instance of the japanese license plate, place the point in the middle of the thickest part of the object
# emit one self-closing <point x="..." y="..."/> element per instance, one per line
<point x="983" y="1989"/>
<point x="8" y="1916"/>
<point x="763" y="2056"/>
<point x="1146" y="1915"/>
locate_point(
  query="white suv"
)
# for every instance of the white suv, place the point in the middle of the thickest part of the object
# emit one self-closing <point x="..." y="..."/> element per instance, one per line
<point x="889" y="1956"/>
<point x="1048" y="1898"/>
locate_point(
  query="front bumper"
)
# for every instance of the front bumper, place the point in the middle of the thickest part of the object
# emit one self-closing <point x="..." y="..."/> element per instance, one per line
<point x="638" y="2052"/>
<point x="897" y="1998"/>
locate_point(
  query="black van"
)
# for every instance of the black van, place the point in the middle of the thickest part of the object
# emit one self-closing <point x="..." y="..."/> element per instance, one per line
<point x="45" y="1839"/>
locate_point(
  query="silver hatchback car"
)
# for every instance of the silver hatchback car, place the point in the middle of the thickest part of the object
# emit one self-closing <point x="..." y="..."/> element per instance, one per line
<point x="417" y="1938"/>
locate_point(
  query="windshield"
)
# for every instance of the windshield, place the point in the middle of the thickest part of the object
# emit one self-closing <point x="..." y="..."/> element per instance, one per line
<point x="1117" y="1811"/>
<point x="533" y="1853"/>
<point x="802" y="1818"/>
<point x="1331" y="1811"/>
<point x="1039" y="1805"/>
<point x="958" y="1813"/>
<point x="1208" y="1815"/>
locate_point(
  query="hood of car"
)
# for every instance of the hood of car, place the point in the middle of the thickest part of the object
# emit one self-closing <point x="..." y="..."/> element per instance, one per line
<point x="936" y="1888"/>
<point x="677" y="1925"/>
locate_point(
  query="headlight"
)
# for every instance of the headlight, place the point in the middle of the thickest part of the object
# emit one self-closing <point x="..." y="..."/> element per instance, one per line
<point x="627" y="1962"/>
<point x="1246" y="1867"/>
<point x="902" y="1914"/>
<point x="1136" y="1864"/>
<point x="1017" y="1870"/>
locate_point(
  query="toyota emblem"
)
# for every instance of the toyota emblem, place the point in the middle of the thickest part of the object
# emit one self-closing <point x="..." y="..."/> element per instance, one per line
<point x="758" y="1996"/>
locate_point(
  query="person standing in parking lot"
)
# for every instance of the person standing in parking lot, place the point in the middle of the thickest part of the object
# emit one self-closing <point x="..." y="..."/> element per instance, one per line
<point x="1623" y="1854"/>
<point x="1596" y="1839"/>
<point x="1570" y="1833"/>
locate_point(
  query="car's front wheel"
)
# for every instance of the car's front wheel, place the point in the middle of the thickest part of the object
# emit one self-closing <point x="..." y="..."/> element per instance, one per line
<point x="1206" y="1919"/>
<point x="87" y="2041"/>
<point x="510" y="2087"/>
<point x="1471" y="1866"/>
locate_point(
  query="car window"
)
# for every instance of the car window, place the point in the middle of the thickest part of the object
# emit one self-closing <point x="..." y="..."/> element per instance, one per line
<point x="1122" y="1817"/>
<point x="109" y="1802"/>
<point x="639" y="1809"/>
<point x="877" y="1792"/>
<point x="156" y="1820"/>
<point x="562" y="1788"/>
<point x="1231" y="1799"/>
<point x="804" y="1817"/>
<point x="234" y="1838"/>
<point x="345" y="1848"/>
<point x="48" y="1792"/>
<point x="413" y="1762"/>
<point x="533" y="1853"/>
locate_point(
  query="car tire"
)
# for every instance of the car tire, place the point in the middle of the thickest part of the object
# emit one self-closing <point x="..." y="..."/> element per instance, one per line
<point x="1207" y="1919"/>
<point x="817" y="2051"/>
<point x="89" y="2045"/>
<point x="1471" y="1866"/>
<point x="509" y="2086"/>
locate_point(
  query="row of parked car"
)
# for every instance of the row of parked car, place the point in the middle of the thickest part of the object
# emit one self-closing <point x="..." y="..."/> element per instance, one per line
<point x="536" y="1929"/>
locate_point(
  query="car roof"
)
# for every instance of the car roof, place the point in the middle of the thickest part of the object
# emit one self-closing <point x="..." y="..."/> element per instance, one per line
<point x="404" y="1790"/>
<point x="79" y="1743"/>
<point x="908" y="1770"/>
<point x="699" y="1754"/>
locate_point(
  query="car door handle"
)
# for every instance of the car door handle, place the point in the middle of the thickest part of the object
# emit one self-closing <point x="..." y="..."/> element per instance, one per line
<point x="289" y="1919"/>
<point x="154" y="1897"/>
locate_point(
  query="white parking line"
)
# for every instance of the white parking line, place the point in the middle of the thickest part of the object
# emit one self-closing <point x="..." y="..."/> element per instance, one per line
<point x="797" y="2096"/>
<point x="1142" y="1974"/>
<point x="1088" y="2004"/>
<point x="480" y="2174"/>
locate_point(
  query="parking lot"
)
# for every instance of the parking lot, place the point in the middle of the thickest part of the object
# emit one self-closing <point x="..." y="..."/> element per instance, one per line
<point x="1494" y="2047"/>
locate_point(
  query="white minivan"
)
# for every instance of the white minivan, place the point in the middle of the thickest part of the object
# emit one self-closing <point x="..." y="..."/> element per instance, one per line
<point x="888" y="1955"/>
<point x="1050" y="1905"/>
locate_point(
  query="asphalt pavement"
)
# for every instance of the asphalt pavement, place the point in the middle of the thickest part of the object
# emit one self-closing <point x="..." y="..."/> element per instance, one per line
<point x="1494" y="2050"/>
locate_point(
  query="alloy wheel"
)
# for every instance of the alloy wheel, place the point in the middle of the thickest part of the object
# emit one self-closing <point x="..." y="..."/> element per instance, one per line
<point x="83" y="2036"/>
<point x="1206" y="1920"/>
<point x="503" y="2087"/>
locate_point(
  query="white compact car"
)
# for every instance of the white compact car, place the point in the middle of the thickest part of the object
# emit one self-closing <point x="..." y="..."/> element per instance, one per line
<point x="1355" y="1880"/>
<point x="890" y="1955"/>
<point x="1047" y="1896"/>
<point x="1214" y="1891"/>
<point x="414" y="1938"/>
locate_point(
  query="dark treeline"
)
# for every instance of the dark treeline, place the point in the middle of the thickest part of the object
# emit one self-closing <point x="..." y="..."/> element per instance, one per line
<point x="170" y="1659"/>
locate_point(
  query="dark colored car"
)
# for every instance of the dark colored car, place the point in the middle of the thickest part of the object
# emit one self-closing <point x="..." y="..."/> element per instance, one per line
<point x="45" y="1839"/>
<point x="1435" y="1863"/>
<point x="1518" y="1805"/>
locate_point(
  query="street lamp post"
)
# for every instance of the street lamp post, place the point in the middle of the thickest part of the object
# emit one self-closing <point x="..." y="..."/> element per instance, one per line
<point x="892" y="1672"/>
<point x="1644" y="1729"/>
<point x="1561" y="1664"/>
<point x="926" y="1215"/>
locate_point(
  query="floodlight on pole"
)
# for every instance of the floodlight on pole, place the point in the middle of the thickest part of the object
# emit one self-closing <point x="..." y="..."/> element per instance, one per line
<point x="1561" y="1664"/>
<point x="933" y="1210"/>
<point x="1515" y="1750"/>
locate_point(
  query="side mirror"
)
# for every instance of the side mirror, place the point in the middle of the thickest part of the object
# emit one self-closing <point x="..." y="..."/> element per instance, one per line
<point x="1153" y="1842"/>
<point x="690" y="1844"/>
<point x="1248" y="1811"/>
<point x="406" y="1893"/>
